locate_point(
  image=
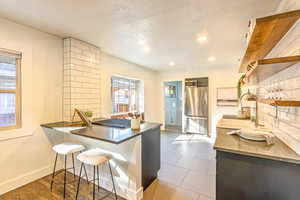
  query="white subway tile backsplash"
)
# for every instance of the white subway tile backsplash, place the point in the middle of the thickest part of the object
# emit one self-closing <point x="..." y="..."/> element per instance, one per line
<point x="284" y="85"/>
<point x="82" y="77"/>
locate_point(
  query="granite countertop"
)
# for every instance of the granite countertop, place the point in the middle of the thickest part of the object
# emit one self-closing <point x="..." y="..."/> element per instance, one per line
<point x="104" y="133"/>
<point x="235" y="144"/>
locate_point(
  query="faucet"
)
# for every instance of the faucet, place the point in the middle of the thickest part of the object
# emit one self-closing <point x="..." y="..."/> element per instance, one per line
<point x="251" y="95"/>
<point x="242" y="96"/>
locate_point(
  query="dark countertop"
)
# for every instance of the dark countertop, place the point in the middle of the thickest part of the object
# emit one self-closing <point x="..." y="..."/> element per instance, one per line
<point x="235" y="144"/>
<point x="104" y="133"/>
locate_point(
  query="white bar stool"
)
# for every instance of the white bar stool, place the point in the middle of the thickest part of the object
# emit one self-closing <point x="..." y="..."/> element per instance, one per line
<point x="65" y="149"/>
<point x="95" y="158"/>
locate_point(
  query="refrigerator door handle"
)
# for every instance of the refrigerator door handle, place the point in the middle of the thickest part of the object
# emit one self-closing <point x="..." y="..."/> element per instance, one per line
<point x="205" y="97"/>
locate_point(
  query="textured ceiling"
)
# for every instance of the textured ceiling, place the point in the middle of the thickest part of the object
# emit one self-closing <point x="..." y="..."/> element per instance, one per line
<point x="168" y="27"/>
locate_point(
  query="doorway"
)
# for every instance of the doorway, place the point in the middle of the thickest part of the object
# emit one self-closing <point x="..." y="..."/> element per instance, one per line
<point x="173" y="105"/>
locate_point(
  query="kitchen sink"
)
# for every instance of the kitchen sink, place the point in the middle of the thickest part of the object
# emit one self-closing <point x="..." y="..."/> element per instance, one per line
<point x="234" y="123"/>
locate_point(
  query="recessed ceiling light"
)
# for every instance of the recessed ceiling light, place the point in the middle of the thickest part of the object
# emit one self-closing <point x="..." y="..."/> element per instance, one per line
<point x="201" y="38"/>
<point x="147" y="48"/>
<point x="211" y="59"/>
<point x="172" y="63"/>
<point x="142" y="42"/>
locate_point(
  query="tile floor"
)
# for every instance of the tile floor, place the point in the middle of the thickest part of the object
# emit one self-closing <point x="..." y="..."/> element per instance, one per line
<point x="188" y="169"/>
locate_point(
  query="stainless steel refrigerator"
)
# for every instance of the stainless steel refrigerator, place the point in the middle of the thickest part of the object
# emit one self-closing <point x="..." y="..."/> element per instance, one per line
<point x="196" y="105"/>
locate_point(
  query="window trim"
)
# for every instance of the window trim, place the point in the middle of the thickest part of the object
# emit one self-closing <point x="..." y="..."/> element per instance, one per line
<point x="112" y="100"/>
<point x="17" y="91"/>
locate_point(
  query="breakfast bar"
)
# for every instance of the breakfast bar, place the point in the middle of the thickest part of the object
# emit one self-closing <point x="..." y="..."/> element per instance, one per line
<point x="136" y="153"/>
<point x="104" y="133"/>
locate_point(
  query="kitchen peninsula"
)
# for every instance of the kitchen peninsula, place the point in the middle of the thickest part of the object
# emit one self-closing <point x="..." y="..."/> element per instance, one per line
<point x="136" y="153"/>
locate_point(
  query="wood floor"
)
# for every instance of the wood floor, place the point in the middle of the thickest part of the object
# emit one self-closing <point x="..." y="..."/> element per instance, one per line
<point x="40" y="190"/>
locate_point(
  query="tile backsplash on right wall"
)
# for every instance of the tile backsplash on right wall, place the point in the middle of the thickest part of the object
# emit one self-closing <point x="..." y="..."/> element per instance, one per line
<point x="284" y="85"/>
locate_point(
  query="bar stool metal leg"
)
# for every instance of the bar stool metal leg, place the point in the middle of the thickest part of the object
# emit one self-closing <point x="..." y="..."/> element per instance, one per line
<point x="112" y="178"/>
<point x="53" y="174"/>
<point x="94" y="183"/>
<point x="86" y="175"/>
<point x="79" y="181"/>
<point x="65" y="176"/>
<point x="73" y="166"/>
<point x="98" y="178"/>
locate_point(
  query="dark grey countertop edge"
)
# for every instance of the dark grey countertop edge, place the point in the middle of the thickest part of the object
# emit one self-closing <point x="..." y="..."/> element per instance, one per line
<point x="158" y="125"/>
<point x="296" y="162"/>
<point x="119" y="141"/>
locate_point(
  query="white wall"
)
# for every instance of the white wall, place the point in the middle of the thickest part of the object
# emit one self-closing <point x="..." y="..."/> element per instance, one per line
<point x="26" y="154"/>
<point x="111" y="65"/>
<point x="226" y="77"/>
<point x="288" y="5"/>
<point x="30" y="156"/>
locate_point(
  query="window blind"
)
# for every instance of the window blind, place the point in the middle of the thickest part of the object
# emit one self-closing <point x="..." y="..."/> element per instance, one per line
<point x="9" y="89"/>
<point x="124" y="94"/>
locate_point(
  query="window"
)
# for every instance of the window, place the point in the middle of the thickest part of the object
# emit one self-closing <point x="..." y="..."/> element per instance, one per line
<point x="127" y="95"/>
<point x="10" y="106"/>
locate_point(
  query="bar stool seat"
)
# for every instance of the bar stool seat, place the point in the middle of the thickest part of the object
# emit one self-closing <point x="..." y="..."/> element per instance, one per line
<point x="67" y="148"/>
<point x="95" y="157"/>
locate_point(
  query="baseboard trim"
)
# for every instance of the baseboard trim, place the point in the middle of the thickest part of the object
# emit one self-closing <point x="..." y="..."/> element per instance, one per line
<point x="134" y="195"/>
<point x="122" y="190"/>
<point x="24" y="179"/>
<point x="29" y="177"/>
<point x="138" y="195"/>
